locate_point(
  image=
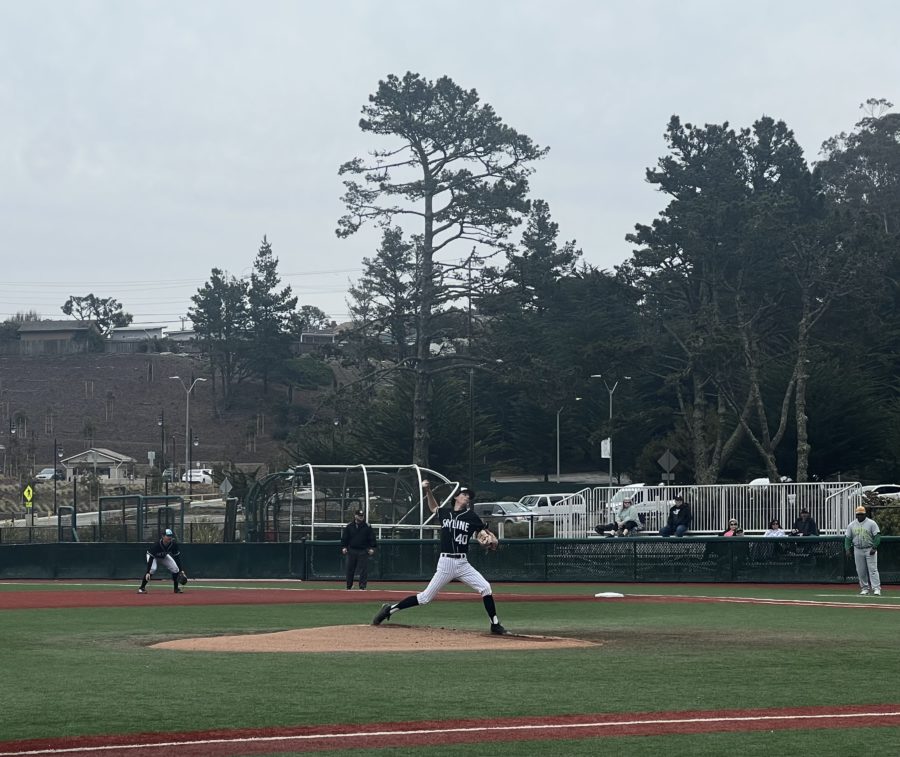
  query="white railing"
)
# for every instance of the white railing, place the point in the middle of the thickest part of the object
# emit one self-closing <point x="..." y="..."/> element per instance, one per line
<point x="830" y="504"/>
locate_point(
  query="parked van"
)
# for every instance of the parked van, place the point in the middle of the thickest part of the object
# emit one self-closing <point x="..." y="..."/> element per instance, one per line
<point x="549" y="505"/>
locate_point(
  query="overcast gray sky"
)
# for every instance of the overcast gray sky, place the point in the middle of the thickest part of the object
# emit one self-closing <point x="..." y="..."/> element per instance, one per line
<point x="144" y="143"/>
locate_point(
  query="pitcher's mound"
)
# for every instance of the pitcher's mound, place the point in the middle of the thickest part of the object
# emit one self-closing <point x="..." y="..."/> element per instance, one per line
<point x="368" y="638"/>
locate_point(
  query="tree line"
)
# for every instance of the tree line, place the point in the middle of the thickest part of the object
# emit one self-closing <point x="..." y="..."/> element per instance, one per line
<point x="750" y="332"/>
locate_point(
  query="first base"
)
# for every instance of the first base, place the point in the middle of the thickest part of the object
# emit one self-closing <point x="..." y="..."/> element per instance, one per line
<point x="609" y="595"/>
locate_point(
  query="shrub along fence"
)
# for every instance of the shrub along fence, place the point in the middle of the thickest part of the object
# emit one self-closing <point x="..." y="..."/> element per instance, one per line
<point x="643" y="559"/>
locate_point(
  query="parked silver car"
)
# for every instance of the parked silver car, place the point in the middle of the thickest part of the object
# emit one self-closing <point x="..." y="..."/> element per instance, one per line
<point x="48" y="474"/>
<point x="507" y="512"/>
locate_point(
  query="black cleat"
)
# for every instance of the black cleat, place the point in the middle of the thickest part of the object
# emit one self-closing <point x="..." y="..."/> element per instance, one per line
<point x="383" y="614"/>
<point x="179" y="590"/>
<point x="498" y="630"/>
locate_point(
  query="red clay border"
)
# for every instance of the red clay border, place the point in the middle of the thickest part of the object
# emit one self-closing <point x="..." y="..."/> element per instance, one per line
<point x="254" y="595"/>
<point x="298" y="739"/>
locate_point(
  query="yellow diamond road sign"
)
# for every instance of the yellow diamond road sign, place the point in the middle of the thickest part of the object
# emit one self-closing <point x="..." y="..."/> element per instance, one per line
<point x="28" y="493"/>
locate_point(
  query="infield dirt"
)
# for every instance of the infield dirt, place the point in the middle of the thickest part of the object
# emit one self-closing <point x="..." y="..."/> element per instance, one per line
<point x="368" y="638"/>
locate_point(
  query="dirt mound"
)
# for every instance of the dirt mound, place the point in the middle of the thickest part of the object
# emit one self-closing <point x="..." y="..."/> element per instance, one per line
<point x="368" y="638"/>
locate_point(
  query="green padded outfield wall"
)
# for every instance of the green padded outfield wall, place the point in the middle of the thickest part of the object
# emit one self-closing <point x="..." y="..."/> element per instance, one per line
<point x="644" y="559"/>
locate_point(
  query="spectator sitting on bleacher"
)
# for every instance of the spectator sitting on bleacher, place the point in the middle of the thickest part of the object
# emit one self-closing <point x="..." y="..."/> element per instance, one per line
<point x="804" y="525"/>
<point x="716" y="551"/>
<point x="734" y="529"/>
<point x="774" y="529"/>
<point x="627" y="521"/>
<point x="680" y="518"/>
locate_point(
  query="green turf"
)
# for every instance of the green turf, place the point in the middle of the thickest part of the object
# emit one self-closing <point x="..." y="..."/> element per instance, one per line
<point x="90" y="671"/>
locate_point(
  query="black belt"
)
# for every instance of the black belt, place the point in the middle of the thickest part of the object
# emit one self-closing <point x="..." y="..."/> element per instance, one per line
<point x="454" y="555"/>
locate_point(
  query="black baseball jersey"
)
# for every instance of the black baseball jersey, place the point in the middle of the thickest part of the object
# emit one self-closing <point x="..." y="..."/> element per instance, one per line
<point x="457" y="527"/>
<point x="161" y="549"/>
<point x="358" y="536"/>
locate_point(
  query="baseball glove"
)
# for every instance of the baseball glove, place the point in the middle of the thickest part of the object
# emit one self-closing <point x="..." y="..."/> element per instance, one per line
<point x="182" y="578"/>
<point x="487" y="540"/>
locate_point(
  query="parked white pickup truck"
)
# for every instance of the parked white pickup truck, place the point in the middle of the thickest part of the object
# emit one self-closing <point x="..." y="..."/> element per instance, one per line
<point x="549" y="505"/>
<point x="652" y="502"/>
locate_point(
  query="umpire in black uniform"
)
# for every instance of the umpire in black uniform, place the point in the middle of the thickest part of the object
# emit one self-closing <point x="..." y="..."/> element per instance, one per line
<point x="358" y="543"/>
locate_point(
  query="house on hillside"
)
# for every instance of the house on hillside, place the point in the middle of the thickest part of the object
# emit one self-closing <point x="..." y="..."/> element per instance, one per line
<point x="314" y="341"/>
<point x="132" y="338"/>
<point x="186" y="340"/>
<point x="57" y="337"/>
<point x="104" y="463"/>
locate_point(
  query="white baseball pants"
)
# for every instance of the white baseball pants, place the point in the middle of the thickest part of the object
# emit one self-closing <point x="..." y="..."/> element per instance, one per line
<point x="167" y="562"/>
<point x="867" y="569"/>
<point x="453" y="569"/>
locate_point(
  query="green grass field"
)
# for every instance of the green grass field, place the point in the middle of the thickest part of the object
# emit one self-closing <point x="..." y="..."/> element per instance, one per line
<point x="89" y="671"/>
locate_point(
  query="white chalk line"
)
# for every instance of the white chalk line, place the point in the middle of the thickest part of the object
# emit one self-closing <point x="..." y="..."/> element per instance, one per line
<point x="443" y="731"/>
<point x="770" y="601"/>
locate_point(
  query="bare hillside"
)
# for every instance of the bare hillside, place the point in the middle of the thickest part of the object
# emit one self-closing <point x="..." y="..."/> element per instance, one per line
<point x="115" y="400"/>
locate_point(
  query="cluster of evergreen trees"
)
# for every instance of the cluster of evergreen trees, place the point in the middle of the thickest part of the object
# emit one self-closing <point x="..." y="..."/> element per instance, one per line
<point x="246" y="327"/>
<point x="754" y="319"/>
<point x="751" y="332"/>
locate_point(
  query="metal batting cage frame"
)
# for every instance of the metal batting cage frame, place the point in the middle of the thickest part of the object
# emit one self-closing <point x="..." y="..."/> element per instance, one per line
<point x="135" y="517"/>
<point x="317" y="501"/>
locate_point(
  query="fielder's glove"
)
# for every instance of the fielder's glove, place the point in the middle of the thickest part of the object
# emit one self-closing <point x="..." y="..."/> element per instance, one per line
<point x="182" y="578"/>
<point x="487" y="540"/>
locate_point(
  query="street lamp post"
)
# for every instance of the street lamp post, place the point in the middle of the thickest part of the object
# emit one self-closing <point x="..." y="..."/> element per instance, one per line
<point x="187" y="423"/>
<point x="558" y="412"/>
<point x="195" y="442"/>
<point x="611" y="391"/>
<point x="161" y="422"/>
<point x="472" y="427"/>
<point x="174" y="475"/>
<point x="12" y="434"/>
<point x="57" y="455"/>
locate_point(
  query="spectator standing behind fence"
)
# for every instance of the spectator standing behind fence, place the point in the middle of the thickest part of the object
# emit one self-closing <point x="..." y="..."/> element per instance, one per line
<point x="358" y="543"/>
<point x="627" y="521"/>
<point x="804" y="525"/>
<point x="864" y="536"/>
<point x="774" y="529"/>
<point x="680" y="518"/>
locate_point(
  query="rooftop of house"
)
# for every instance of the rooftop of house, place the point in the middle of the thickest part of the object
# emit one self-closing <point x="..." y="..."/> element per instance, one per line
<point x="42" y="326"/>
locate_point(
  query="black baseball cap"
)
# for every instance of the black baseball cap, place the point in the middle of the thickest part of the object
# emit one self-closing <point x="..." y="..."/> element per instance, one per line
<point x="466" y="490"/>
<point x="360" y="512"/>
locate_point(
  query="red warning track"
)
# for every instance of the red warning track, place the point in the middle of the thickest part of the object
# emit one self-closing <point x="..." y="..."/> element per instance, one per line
<point x="224" y="743"/>
<point x="251" y="595"/>
<point x="254" y="595"/>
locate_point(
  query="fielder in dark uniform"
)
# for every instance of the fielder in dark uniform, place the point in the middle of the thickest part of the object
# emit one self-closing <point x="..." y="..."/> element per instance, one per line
<point x="358" y="543"/>
<point x="165" y="552"/>
<point x="458" y="526"/>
